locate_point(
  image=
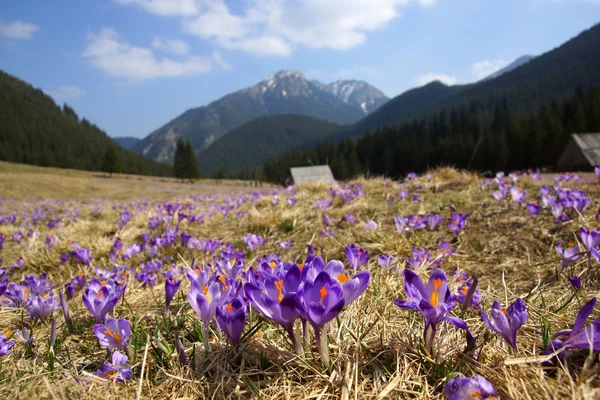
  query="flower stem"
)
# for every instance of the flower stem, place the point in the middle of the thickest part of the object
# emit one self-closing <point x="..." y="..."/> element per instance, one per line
<point x="205" y="338"/>
<point x="322" y="344"/>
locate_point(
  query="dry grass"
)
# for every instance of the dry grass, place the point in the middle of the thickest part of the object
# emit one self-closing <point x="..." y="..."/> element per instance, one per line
<point x="376" y="347"/>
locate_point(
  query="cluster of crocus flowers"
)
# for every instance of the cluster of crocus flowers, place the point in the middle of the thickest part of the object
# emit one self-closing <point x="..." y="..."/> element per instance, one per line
<point x="314" y="291"/>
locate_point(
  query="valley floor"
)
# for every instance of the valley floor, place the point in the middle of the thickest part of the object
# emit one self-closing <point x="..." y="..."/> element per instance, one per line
<point x="376" y="348"/>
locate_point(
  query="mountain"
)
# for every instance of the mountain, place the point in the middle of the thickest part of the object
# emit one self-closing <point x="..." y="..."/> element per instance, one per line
<point x="513" y="65"/>
<point x="285" y="92"/>
<point x="519" y="119"/>
<point x="126" y="142"/>
<point x="263" y="138"/>
<point x="34" y="130"/>
<point x="553" y="75"/>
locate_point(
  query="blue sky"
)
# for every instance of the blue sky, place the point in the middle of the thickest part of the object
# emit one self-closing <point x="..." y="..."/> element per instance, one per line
<point x="130" y="66"/>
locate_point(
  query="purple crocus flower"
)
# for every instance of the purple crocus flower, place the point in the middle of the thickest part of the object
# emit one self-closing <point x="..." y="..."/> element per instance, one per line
<point x="499" y="194"/>
<point x="349" y="218"/>
<point x="82" y="255"/>
<point x="231" y="318"/>
<point x="433" y="221"/>
<point x="319" y="302"/>
<point x="117" y="370"/>
<point x="534" y="208"/>
<point x="185" y="238"/>
<point x="470" y="388"/>
<point x="386" y="261"/>
<point x="569" y="254"/>
<point x="326" y="220"/>
<point x="153" y="223"/>
<point x="2" y="239"/>
<point x="204" y="300"/>
<point x="506" y="322"/>
<point x="457" y="222"/>
<point x="42" y="307"/>
<point x="100" y="297"/>
<point x="276" y="300"/>
<point x="124" y="218"/>
<point x="326" y="232"/>
<point x="518" y="194"/>
<point x="171" y="288"/>
<point x="420" y="257"/>
<point x="463" y="292"/>
<point x="446" y="249"/>
<point x="575" y="281"/>
<point x="64" y="257"/>
<point x="356" y="256"/>
<point x="18" y="236"/>
<point x="590" y="238"/>
<point x="285" y="244"/>
<point x="254" y="241"/>
<point x="113" y="334"/>
<point x="581" y="338"/>
<point x="51" y="240"/>
<point x="434" y="301"/>
<point x="147" y="279"/>
<point x="291" y="201"/>
<point x="24" y="336"/>
<point x="5" y="345"/>
<point x="370" y="226"/>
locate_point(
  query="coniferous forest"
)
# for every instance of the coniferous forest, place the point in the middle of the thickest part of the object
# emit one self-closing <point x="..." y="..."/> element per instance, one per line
<point x="34" y="130"/>
<point x="470" y="137"/>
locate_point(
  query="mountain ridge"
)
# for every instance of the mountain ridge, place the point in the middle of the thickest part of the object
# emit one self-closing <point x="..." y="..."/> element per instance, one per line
<point x="283" y="92"/>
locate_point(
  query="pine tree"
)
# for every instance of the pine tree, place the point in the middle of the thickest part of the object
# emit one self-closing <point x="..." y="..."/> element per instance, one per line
<point x="190" y="164"/>
<point x="110" y="161"/>
<point x="179" y="160"/>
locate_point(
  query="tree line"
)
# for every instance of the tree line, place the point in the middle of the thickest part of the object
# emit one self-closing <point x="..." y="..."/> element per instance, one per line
<point x="468" y="137"/>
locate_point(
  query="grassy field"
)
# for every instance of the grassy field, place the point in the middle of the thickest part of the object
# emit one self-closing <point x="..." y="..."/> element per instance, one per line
<point x="28" y="182"/>
<point x="376" y="348"/>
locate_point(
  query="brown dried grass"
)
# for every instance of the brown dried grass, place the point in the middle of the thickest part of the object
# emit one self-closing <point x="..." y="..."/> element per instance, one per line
<point x="376" y="349"/>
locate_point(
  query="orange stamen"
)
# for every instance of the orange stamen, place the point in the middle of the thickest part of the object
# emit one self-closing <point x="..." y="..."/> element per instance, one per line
<point x="323" y="293"/>
<point x="464" y="290"/>
<point x="342" y="278"/>
<point x="229" y="307"/>
<point x="272" y="264"/>
<point x="279" y="286"/>
<point x="435" y="296"/>
<point x="300" y="266"/>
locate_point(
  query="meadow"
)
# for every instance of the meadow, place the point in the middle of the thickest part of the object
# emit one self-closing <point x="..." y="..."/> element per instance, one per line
<point x="259" y="308"/>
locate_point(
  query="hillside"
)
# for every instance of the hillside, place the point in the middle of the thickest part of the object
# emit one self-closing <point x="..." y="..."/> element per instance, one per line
<point x="550" y="76"/>
<point x="261" y="139"/>
<point x="126" y="142"/>
<point x="286" y="92"/>
<point x="34" y="130"/>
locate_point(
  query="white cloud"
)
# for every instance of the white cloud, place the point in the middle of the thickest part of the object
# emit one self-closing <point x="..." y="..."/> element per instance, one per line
<point x="224" y="65"/>
<point x="167" y="8"/>
<point x="275" y="27"/>
<point x="66" y="92"/>
<point x="444" y="78"/>
<point x="120" y="59"/>
<point x="481" y="69"/>
<point x="177" y="47"/>
<point x="17" y="30"/>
